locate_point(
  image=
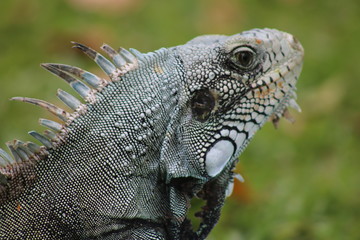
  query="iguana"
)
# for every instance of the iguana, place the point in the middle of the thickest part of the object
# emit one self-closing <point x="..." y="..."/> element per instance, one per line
<point x="167" y="126"/>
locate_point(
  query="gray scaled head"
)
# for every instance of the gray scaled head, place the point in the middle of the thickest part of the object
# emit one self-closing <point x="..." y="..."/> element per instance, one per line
<point x="232" y="85"/>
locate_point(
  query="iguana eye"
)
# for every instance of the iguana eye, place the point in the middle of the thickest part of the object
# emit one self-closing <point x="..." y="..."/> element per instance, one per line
<point x="202" y="103"/>
<point x="244" y="57"/>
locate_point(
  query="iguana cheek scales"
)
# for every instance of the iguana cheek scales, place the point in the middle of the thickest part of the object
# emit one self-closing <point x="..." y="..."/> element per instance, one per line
<point x="218" y="156"/>
<point x="223" y="150"/>
<point x="164" y="127"/>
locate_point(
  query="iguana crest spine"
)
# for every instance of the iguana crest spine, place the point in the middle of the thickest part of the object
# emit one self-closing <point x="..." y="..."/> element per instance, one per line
<point x="25" y="155"/>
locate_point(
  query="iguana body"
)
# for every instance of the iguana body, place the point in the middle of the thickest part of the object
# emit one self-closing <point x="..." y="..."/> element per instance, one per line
<point x="168" y="126"/>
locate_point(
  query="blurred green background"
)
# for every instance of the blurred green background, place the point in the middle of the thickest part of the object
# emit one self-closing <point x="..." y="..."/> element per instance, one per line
<point x="302" y="180"/>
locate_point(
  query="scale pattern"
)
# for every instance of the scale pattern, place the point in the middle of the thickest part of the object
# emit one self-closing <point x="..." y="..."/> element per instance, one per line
<point x="165" y="127"/>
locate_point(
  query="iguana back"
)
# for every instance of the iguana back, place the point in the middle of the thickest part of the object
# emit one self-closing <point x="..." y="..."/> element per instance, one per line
<point x="166" y="126"/>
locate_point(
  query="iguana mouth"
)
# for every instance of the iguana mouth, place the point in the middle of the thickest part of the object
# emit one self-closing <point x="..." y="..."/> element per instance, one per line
<point x="281" y="84"/>
<point x="282" y="88"/>
<point x="282" y="109"/>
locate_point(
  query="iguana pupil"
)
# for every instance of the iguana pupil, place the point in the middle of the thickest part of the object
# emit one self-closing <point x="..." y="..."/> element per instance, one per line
<point x="245" y="58"/>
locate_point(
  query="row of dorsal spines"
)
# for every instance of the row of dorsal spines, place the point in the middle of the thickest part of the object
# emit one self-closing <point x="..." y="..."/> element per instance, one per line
<point x="21" y="152"/>
<point x="85" y="84"/>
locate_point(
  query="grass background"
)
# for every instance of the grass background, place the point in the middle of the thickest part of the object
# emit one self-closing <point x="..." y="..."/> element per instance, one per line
<point x="302" y="180"/>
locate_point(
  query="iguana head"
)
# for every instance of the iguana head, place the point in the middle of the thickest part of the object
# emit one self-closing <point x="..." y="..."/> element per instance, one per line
<point x="233" y="86"/>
